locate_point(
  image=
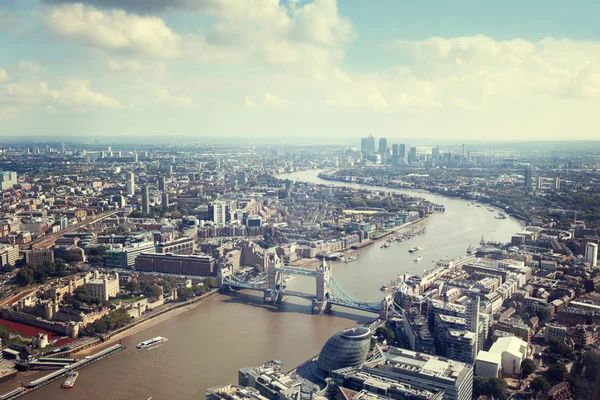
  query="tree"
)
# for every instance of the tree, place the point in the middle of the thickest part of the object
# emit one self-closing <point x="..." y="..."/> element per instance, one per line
<point x="557" y="373"/>
<point x="185" y="293"/>
<point x="544" y="316"/>
<point x="540" y="384"/>
<point x="4" y="337"/>
<point x="558" y="347"/>
<point x="527" y="367"/>
<point x="386" y="333"/>
<point x="490" y="387"/>
<point x="154" y="291"/>
<point x="211" y="282"/>
<point x="133" y="287"/>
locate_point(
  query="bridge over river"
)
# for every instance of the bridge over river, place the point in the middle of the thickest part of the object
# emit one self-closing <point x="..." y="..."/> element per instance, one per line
<point x="329" y="292"/>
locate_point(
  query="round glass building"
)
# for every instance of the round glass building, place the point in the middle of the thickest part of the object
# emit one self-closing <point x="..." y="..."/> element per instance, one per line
<point x="347" y="348"/>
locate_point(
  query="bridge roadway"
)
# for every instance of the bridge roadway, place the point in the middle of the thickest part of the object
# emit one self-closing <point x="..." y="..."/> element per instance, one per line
<point x="49" y="240"/>
<point x="263" y="287"/>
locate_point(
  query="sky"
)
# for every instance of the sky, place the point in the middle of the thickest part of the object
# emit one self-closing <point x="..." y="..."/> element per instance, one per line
<point x="447" y="70"/>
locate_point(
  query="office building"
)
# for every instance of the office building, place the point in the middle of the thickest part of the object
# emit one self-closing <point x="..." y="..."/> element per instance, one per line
<point x="219" y="213"/>
<point x="242" y="177"/>
<point x="527" y="181"/>
<point x="9" y="254"/>
<point x="472" y="322"/>
<point x="422" y="371"/>
<point x="591" y="254"/>
<point x="367" y="145"/>
<point x="556" y="185"/>
<point x="382" y="145"/>
<point x="402" y="154"/>
<point x="165" y="200"/>
<point x="412" y="155"/>
<point x="38" y="257"/>
<point x="131" y="184"/>
<point x="198" y="265"/>
<point x="124" y="257"/>
<point x="347" y="348"/>
<point x="146" y="200"/>
<point x="453" y="341"/>
<point x="103" y="287"/>
<point x="162" y="183"/>
<point x="185" y="245"/>
<point x="435" y="154"/>
<point x="8" y="179"/>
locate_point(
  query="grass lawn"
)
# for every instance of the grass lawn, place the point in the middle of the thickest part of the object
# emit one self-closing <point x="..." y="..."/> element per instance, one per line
<point x="377" y="234"/>
<point x="131" y="299"/>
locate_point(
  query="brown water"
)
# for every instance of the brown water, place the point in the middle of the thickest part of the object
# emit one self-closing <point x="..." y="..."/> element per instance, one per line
<point x="207" y="345"/>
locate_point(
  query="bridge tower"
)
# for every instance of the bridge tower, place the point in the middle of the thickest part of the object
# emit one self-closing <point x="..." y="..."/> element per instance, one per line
<point x="320" y="303"/>
<point x="274" y="281"/>
<point x="386" y="303"/>
<point x="222" y="273"/>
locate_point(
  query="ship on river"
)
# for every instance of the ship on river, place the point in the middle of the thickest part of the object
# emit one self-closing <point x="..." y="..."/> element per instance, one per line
<point x="414" y="250"/>
<point x="70" y="381"/>
<point x="151" y="342"/>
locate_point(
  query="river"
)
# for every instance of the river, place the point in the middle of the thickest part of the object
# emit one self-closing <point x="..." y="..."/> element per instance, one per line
<point x="208" y="344"/>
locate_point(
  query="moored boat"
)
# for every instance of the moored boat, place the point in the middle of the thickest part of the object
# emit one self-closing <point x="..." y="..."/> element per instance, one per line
<point x="414" y="249"/>
<point x="70" y="381"/>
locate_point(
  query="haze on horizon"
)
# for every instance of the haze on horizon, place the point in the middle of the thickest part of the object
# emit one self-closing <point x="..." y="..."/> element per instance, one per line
<point x="303" y="68"/>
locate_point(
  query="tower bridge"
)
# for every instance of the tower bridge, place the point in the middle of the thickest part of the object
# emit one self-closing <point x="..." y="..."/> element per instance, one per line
<point x="328" y="293"/>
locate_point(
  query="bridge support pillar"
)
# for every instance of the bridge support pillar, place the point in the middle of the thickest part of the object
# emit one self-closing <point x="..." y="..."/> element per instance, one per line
<point x="384" y="311"/>
<point x="269" y="297"/>
<point x="279" y="297"/>
<point x="320" y="307"/>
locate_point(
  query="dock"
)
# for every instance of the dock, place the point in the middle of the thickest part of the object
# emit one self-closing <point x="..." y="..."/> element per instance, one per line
<point x="65" y="365"/>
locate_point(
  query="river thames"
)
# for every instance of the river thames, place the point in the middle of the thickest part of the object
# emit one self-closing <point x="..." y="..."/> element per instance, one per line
<point x="208" y="344"/>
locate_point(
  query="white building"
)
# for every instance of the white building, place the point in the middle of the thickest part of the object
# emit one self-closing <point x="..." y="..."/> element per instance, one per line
<point x="9" y="254"/>
<point x="131" y="184"/>
<point x="506" y="355"/>
<point x="103" y="287"/>
<point x="219" y="210"/>
<point x="8" y="179"/>
<point x="591" y="254"/>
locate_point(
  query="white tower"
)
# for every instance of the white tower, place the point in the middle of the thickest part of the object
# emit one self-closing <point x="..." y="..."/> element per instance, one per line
<point x="591" y="254"/>
<point x="131" y="184"/>
<point x="219" y="209"/>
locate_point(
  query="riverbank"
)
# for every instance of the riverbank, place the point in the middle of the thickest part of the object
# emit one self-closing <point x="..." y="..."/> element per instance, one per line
<point x="143" y="324"/>
<point x="516" y="215"/>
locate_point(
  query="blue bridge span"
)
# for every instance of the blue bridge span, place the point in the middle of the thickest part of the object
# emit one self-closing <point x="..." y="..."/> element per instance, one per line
<point x="329" y="292"/>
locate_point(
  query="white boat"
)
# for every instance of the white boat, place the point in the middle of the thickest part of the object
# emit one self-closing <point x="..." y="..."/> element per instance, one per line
<point x="151" y="342"/>
<point x="418" y="259"/>
<point x="414" y="249"/>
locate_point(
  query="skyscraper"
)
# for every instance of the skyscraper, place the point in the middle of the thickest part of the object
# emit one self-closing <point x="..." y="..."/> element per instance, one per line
<point x="165" y="200"/>
<point x="540" y="183"/>
<point x="364" y="145"/>
<point x="591" y="254"/>
<point x="472" y="321"/>
<point x="146" y="200"/>
<point x="556" y="183"/>
<point x="131" y="184"/>
<point x="370" y="144"/>
<point x="382" y="145"/>
<point x="435" y="154"/>
<point x="219" y="213"/>
<point x="402" y="154"/>
<point x="412" y="155"/>
<point x="162" y="183"/>
<point x="527" y="179"/>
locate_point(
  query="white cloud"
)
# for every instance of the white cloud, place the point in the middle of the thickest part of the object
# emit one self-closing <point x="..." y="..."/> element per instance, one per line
<point x="251" y="30"/>
<point x="8" y="112"/>
<point x="267" y="100"/>
<point x="28" y="66"/>
<point x="113" y="30"/>
<point x="128" y="65"/>
<point x="74" y="93"/>
<point x="78" y="93"/>
<point x="3" y="75"/>
<point x="163" y="96"/>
